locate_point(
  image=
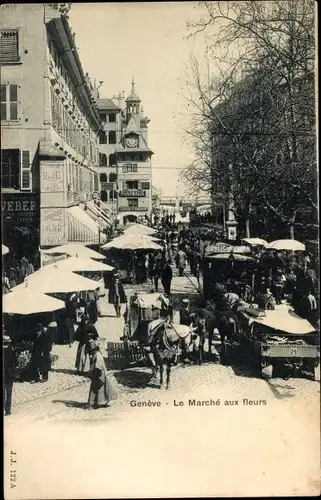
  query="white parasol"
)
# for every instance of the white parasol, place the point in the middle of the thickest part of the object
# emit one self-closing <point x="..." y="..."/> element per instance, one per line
<point x="29" y="301"/>
<point x="132" y="242"/>
<point x="74" y="249"/>
<point x="55" y="280"/>
<point x="139" y="229"/>
<point x="79" y="264"/>
<point x="286" y="321"/>
<point x="286" y="245"/>
<point x="4" y="250"/>
<point x="256" y="242"/>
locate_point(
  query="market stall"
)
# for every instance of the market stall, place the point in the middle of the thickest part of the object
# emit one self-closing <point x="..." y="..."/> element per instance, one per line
<point x="23" y="310"/>
<point x="129" y="252"/>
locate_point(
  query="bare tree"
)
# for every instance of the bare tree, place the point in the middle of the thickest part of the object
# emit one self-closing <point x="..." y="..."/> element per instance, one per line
<point x="262" y="123"/>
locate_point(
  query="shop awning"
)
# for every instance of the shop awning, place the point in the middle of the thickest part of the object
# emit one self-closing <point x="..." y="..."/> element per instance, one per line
<point x="82" y="228"/>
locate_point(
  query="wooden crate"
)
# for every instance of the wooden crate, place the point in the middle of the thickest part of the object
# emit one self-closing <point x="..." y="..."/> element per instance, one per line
<point x="119" y="355"/>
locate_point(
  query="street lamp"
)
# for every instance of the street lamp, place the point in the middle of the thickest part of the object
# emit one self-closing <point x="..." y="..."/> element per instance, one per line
<point x="100" y="227"/>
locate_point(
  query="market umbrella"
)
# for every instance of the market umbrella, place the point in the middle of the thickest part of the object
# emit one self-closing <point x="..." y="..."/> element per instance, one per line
<point x="4" y="250"/>
<point x="74" y="249"/>
<point x="139" y="229"/>
<point x="79" y="264"/>
<point x="29" y="301"/>
<point x="234" y="257"/>
<point x="55" y="280"/>
<point x="132" y="242"/>
<point x="286" y="245"/>
<point x="255" y="241"/>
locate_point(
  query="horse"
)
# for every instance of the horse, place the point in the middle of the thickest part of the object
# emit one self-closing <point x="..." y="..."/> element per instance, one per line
<point x="228" y="327"/>
<point x="165" y="342"/>
<point x="205" y="320"/>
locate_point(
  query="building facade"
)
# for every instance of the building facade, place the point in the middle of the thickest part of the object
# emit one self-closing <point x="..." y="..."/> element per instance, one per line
<point x="125" y="158"/>
<point x="49" y="131"/>
<point x="112" y="118"/>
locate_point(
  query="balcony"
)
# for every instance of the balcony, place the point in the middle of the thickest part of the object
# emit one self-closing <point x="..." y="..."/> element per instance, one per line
<point x="133" y="209"/>
<point x="136" y="193"/>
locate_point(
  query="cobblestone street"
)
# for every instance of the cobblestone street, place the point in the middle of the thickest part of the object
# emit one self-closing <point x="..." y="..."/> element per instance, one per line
<point x="50" y="421"/>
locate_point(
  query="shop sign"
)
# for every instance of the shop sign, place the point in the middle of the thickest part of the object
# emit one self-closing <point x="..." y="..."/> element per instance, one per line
<point x="22" y="209"/>
<point x="53" y="226"/>
<point x="52" y="177"/>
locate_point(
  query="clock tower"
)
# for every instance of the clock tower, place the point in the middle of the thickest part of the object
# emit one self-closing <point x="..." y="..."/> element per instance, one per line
<point x="134" y="163"/>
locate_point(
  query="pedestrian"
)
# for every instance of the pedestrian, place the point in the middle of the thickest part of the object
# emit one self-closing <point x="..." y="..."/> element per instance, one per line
<point x="8" y="373"/>
<point x="278" y="286"/>
<point x="116" y="294"/>
<point x="181" y="261"/>
<point x="309" y="308"/>
<point x="184" y="312"/>
<point x="91" y="308"/>
<point x="167" y="276"/>
<point x="86" y="331"/>
<point x="5" y="283"/>
<point x="41" y="359"/>
<point x="102" y="391"/>
<point x="24" y="264"/>
<point x="157" y="271"/>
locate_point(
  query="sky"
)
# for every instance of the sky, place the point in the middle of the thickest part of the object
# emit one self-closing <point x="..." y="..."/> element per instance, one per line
<point x="117" y="41"/>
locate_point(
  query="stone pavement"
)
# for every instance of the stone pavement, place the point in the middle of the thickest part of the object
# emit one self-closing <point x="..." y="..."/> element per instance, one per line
<point x="63" y="375"/>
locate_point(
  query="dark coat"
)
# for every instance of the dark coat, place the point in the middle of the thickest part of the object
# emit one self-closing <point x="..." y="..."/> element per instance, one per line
<point x="112" y="293"/>
<point x="167" y="273"/>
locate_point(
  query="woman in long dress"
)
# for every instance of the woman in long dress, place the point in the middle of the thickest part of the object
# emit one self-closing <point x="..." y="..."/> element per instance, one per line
<point x="102" y="390"/>
<point x="84" y="333"/>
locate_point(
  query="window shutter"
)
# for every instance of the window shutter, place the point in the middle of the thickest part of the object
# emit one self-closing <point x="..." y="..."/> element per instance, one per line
<point x="25" y="181"/>
<point x="9" y="49"/>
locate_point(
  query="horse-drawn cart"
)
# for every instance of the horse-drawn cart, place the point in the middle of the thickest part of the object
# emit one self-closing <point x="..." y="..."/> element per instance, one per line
<point x="276" y="343"/>
<point x="141" y="310"/>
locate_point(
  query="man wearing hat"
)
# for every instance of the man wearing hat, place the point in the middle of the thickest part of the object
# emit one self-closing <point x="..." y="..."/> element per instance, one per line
<point x="8" y="373"/>
<point x="184" y="312"/>
<point x="116" y="294"/>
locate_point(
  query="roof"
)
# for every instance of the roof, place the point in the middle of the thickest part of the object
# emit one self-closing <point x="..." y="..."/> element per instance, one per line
<point x="107" y="104"/>
<point x="133" y="97"/>
<point x="133" y="125"/>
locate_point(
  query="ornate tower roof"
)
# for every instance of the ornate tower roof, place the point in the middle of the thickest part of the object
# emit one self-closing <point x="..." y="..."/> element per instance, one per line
<point x="133" y="97"/>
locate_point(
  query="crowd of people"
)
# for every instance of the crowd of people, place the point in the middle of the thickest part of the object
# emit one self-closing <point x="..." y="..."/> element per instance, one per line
<point x="278" y="276"/>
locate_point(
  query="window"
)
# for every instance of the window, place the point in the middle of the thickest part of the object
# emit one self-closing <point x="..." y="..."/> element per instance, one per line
<point x="132" y="157"/>
<point x="103" y="195"/>
<point x="25" y="179"/>
<point x="133" y="202"/>
<point x="129" y="167"/>
<point x="10" y="168"/>
<point x="103" y="177"/>
<point x="112" y="137"/>
<point x="9" y="46"/>
<point x="112" y="177"/>
<point x="102" y="160"/>
<point x="102" y="117"/>
<point x="9" y="102"/>
<point x="113" y="195"/>
<point x="132" y="184"/>
<point x="145" y="185"/>
<point x="102" y="137"/>
<point x="112" y="117"/>
<point x="112" y="160"/>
